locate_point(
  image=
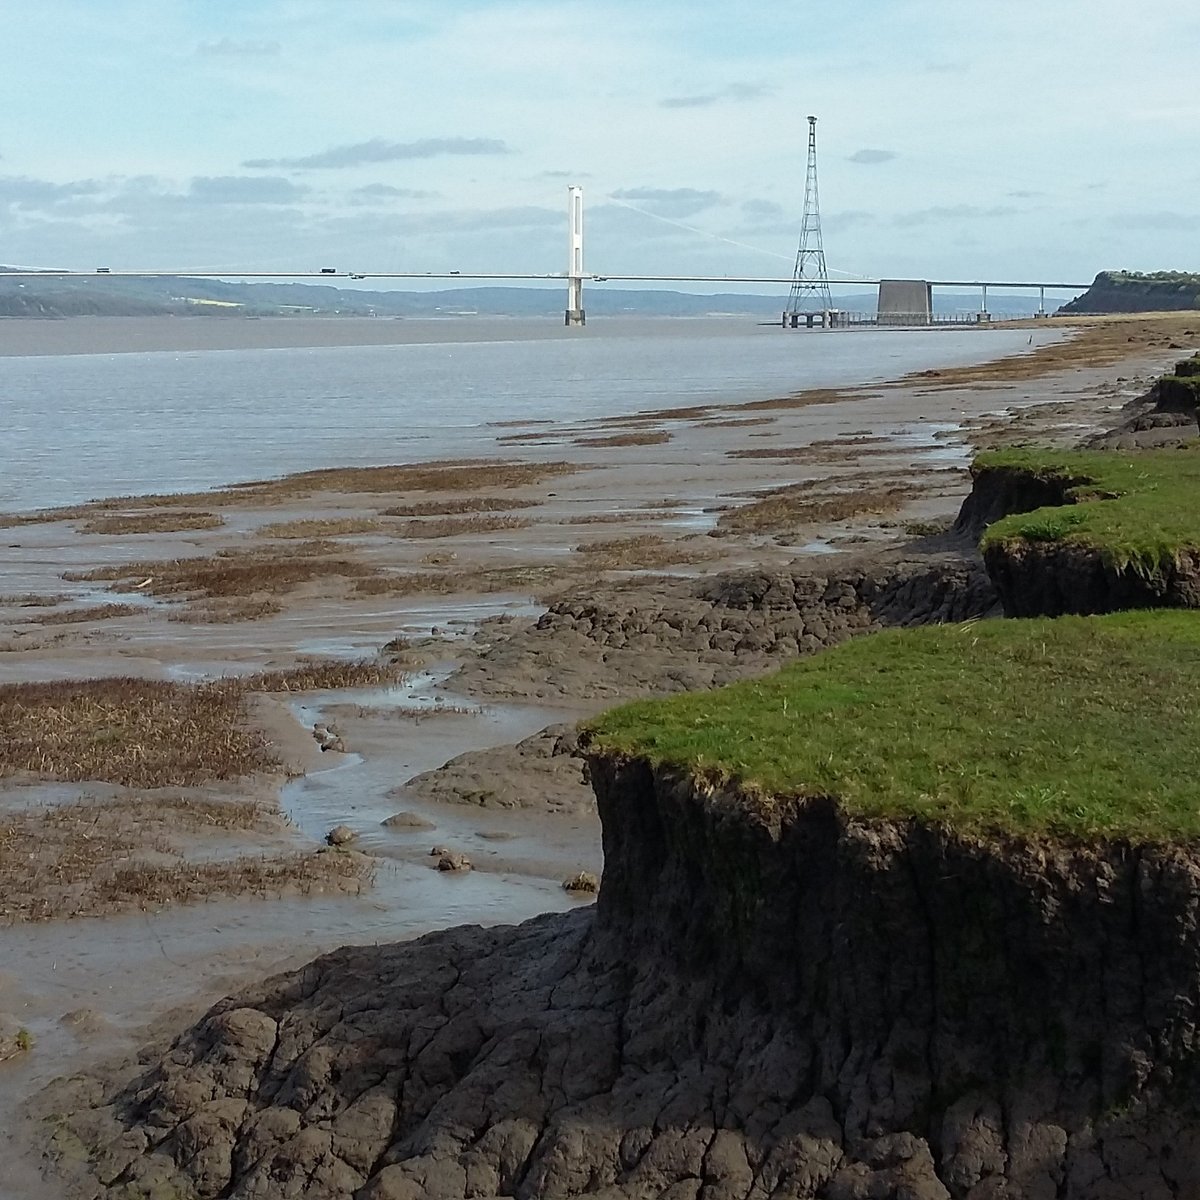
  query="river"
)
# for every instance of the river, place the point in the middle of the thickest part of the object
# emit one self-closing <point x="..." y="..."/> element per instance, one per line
<point x="83" y="425"/>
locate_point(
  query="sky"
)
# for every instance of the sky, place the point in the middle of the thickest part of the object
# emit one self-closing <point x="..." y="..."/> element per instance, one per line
<point x="1037" y="139"/>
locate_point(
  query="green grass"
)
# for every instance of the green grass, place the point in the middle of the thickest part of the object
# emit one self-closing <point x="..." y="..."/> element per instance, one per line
<point x="1075" y="726"/>
<point x="1137" y="510"/>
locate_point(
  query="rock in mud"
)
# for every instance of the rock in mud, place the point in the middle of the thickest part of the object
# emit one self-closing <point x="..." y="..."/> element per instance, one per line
<point x="545" y="771"/>
<point x="408" y="820"/>
<point x="15" y="1039"/>
<point x="583" y="882"/>
<point x="685" y="635"/>
<point x="341" y="835"/>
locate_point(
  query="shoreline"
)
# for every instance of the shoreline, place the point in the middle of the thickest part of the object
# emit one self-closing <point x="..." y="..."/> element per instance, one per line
<point x="143" y="643"/>
<point x="69" y="336"/>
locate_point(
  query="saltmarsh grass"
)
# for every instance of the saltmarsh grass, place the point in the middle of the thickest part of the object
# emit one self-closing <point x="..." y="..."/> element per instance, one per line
<point x="1076" y="726"/>
<point x="1136" y="510"/>
<point x="156" y="733"/>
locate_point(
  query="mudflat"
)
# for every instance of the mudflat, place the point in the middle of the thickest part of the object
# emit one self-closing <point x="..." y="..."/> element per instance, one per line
<point x="390" y="641"/>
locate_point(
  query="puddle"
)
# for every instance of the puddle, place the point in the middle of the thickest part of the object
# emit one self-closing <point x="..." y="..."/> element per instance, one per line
<point x="132" y="969"/>
<point x="701" y="520"/>
<point x="453" y="620"/>
<point x="423" y="727"/>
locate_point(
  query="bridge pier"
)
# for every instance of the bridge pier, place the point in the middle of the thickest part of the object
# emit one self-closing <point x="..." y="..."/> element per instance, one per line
<point x="575" y="314"/>
<point x="792" y="320"/>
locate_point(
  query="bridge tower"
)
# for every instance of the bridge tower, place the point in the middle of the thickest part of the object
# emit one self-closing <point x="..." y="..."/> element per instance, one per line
<point x="809" y="298"/>
<point x="575" y="314"/>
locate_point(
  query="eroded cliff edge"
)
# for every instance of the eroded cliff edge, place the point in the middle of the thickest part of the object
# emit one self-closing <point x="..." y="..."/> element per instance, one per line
<point x="771" y="999"/>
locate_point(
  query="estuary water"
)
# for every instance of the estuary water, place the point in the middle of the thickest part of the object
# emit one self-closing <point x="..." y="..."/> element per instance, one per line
<point x="78" y="426"/>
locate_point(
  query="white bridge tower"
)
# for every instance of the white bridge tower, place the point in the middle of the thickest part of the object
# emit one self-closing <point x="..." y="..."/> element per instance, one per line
<point x="575" y="313"/>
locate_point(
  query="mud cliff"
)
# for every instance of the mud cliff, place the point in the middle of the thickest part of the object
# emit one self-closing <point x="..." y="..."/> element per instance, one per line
<point x="771" y="999"/>
<point x="1052" y="575"/>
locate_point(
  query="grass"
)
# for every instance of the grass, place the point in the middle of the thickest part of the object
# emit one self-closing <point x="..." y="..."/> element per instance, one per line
<point x="149" y="733"/>
<point x="642" y="551"/>
<point x="95" y="612"/>
<point x="445" y="476"/>
<point x="34" y="600"/>
<point x="1136" y="510"/>
<point x="322" y="676"/>
<point x="240" y="573"/>
<point x="152" y="522"/>
<point x="225" y="611"/>
<point x="319" y="527"/>
<point x="452" y="475"/>
<point x="89" y="858"/>
<point x="1078" y="726"/>
<point x="456" y="505"/>
<point x="611" y="518"/>
<point x="785" y="508"/>
<point x="443" y="527"/>
<point x="136" y="732"/>
<point x="626" y="439"/>
<point x="1097" y="342"/>
<point x="443" y="583"/>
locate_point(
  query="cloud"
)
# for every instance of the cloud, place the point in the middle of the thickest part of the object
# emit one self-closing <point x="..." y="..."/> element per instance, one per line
<point x="469" y="220"/>
<point x="672" y="202"/>
<point x="379" y="151"/>
<point x="869" y="157"/>
<point x="849" y="217"/>
<point x="734" y="91"/>
<point x="1162" y="219"/>
<point x="244" y="189"/>
<point x="371" y="192"/>
<point x="951" y="213"/>
<point x="19" y="189"/>
<point x="227" y="47"/>
<point x="766" y="210"/>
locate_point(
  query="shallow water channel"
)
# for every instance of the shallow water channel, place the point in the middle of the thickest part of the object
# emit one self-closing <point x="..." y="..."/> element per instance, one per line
<point x="90" y="988"/>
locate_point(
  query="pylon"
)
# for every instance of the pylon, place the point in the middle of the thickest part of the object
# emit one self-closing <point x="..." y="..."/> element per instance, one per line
<point x="810" y="279"/>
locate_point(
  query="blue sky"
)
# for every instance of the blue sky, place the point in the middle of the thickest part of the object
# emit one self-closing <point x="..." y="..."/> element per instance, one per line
<point x="1032" y="138"/>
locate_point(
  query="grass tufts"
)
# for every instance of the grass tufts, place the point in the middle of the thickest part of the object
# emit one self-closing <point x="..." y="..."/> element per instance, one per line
<point x="137" y="732"/>
<point x="319" y="527"/>
<point x="95" y="612"/>
<point x="152" y="522"/>
<point x="456" y="505"/>
<point x="1136" y="510"/>
<point x="784" y="508"/>
<point x="643" y="551"/>
<point x="226" y="611"/>
<point x="457" y="526"/>
<point x="1073" y="726"/>
<point x="241" y="573"/>
<point x="322" y="675"/>
<point x="656" y="438"/>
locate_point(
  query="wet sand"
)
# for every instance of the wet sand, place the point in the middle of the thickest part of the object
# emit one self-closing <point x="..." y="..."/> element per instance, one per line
<point x="90" y="987"/>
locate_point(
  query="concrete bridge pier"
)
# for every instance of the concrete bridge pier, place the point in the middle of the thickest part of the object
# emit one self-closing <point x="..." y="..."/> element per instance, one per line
<point x="575" y="314"/>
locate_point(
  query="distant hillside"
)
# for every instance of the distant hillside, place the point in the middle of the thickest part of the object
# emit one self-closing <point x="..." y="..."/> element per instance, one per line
<point x="117" y="296"/>
<point x="1132" y="291"/>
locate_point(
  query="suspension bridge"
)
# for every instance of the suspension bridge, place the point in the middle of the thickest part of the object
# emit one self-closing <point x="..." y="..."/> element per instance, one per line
<point x="809" y="303"/>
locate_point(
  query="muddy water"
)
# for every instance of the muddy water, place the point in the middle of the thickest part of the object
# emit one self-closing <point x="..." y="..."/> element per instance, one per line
<point x="81" y="426"/>
<point x="114" y="977"/>
<point x="93" y="988"/>
<point x="415" y="727"/>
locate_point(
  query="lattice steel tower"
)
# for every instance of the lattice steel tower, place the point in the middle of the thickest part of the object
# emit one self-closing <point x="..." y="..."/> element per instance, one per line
<point x="810" y="278"/>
